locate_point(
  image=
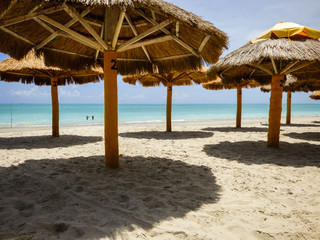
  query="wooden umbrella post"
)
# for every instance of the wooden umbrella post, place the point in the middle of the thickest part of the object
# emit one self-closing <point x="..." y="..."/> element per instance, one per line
<point x="111" y="109"/>
<point x="275" y="110"/>
<point x="55" y="107"/>
<point x="288" y="119"/>
<point x="239" y="106"/>
<point x="169" y="105"/>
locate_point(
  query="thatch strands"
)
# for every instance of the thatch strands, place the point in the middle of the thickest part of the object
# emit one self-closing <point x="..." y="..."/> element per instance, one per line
<point x="135" y="36"/>
<point x="168" y="80"/>
<point x="269" y="60"/>
<point x="315" y="95"/>
<point x="32" y="69"/>
<point x="180" y="40"/>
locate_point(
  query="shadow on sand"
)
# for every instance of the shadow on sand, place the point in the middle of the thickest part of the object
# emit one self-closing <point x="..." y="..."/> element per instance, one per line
<point x="167" y="135"/>
<point x="308" y="136"/>
<point x="31" y="142"/>
<point x="295" y="125"/>
<point x="233" y="129"/>
<point x="248" y="152"/>
<point x="81" y="198"/>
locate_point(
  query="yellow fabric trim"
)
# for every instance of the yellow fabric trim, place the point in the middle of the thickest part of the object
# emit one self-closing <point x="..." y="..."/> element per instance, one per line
<point x="287" y="30"/>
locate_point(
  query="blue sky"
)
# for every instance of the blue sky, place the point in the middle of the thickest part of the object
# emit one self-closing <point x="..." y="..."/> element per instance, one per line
<point x="242" y="20"/>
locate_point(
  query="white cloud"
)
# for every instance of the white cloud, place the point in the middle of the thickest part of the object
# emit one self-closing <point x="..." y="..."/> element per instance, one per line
<point x="66" y="93"/>
<point x="32" y="92"/>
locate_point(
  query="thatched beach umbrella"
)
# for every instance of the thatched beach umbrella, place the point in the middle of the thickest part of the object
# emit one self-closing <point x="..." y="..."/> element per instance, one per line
<point x="315" y="95"/>
<point x="218" y="85"/>
<point x="168" y="80"/>
<point x="123" y="36"/>
<point x="31" y="69"/>
<point x="291" y="85"/>
<point x="284" y="49"/>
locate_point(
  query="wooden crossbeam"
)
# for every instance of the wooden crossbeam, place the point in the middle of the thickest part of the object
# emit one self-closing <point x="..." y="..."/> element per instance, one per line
<point x="145" y="34"/>
<point x="260" y="61"/>
<point x="80" y="38"/>
<point x="178" y="40"/>
<point x="68" y="24"/>
<point x="75" y="15"/>
<point x="288" y="67"/>
<point x="134" y="30"/>
<point x="177" y="29"/>
<point x="16" y="35"/>
<point x="97" y="51"/>
<point x="147" y="42"/>
<point x="29" y="16"/>
<point x="261" y="68"/>
<point x="117" y="30"/>
<point x="296" y="68"/>
<point x="173" y="57"/>
<point x="67" y="52"/>
<point x="274" y="66"/>
<point x="8" y="8"/>
<point x="204" y="42"/>
<point x="43" y="24"/>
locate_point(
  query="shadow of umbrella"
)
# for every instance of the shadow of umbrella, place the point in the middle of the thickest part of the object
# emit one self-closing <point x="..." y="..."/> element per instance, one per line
<point x="248" y="152"/>
<point x="79" y="197"/>
<point x="308" y="136"/>
<point x="166" y="135"/>
<point x="231" y="129"/>
<point x="31" y="142"/>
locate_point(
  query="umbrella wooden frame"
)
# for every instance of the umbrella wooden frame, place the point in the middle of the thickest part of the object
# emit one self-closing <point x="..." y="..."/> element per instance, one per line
<point x="168" y="80"/>
<point x="218" y="85"/>
<point x="186" y="52"/>
<point x="40" y="71"/>
<point x="275" y="57"/>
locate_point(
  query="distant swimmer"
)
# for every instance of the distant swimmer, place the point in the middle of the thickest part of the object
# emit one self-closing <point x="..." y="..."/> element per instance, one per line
<point x="87" y="117"/>
<point x="92" y="117"/>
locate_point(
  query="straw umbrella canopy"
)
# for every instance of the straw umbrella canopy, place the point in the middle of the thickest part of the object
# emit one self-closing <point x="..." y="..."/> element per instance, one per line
<point x="168" y="80"/>
<point x="315" y="95"/>
<point x="31" y="69"/>
<point x="268" y="59"/>
<point x="218" y="85"/>
<point x="123" y="36"/>
<point x="292" y="84"/>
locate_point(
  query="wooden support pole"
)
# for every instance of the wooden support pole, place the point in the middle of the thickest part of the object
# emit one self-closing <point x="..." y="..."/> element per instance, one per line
<point x="288" y="119"/>
<point x="275" y="111"/>
<point x="111" y="109"/>
<point x="169" y="105"/>
<point x="239" y="106"/>
<point x="55" y="107"/>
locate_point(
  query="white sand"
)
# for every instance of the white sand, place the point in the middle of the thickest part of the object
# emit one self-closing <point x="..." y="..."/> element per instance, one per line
<point x="205" y="180"/>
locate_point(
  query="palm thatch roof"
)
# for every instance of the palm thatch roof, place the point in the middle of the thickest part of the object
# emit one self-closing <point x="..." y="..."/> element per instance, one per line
<point x="260" y="60"/>
<point x="315" y="95"/>
<point x="218" y="85"/>
<point x="175" y="78"/>
<point x="31" y="69"/>
<point x="293" y="84"/>
<point x="149" y="35"/>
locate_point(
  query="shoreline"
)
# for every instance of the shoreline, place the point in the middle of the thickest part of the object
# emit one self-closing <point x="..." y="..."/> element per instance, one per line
<point x="298" y="118"/>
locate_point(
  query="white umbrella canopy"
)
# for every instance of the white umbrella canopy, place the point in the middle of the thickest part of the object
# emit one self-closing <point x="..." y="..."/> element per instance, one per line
<point x="122" y="36"/>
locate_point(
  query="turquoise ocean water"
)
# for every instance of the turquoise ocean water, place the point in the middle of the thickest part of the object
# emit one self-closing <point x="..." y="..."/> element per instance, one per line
<point x="20" y="115"/>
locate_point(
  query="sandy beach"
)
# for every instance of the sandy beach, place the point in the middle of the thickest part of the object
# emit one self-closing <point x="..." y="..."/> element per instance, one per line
<point x="205" y="180"/>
